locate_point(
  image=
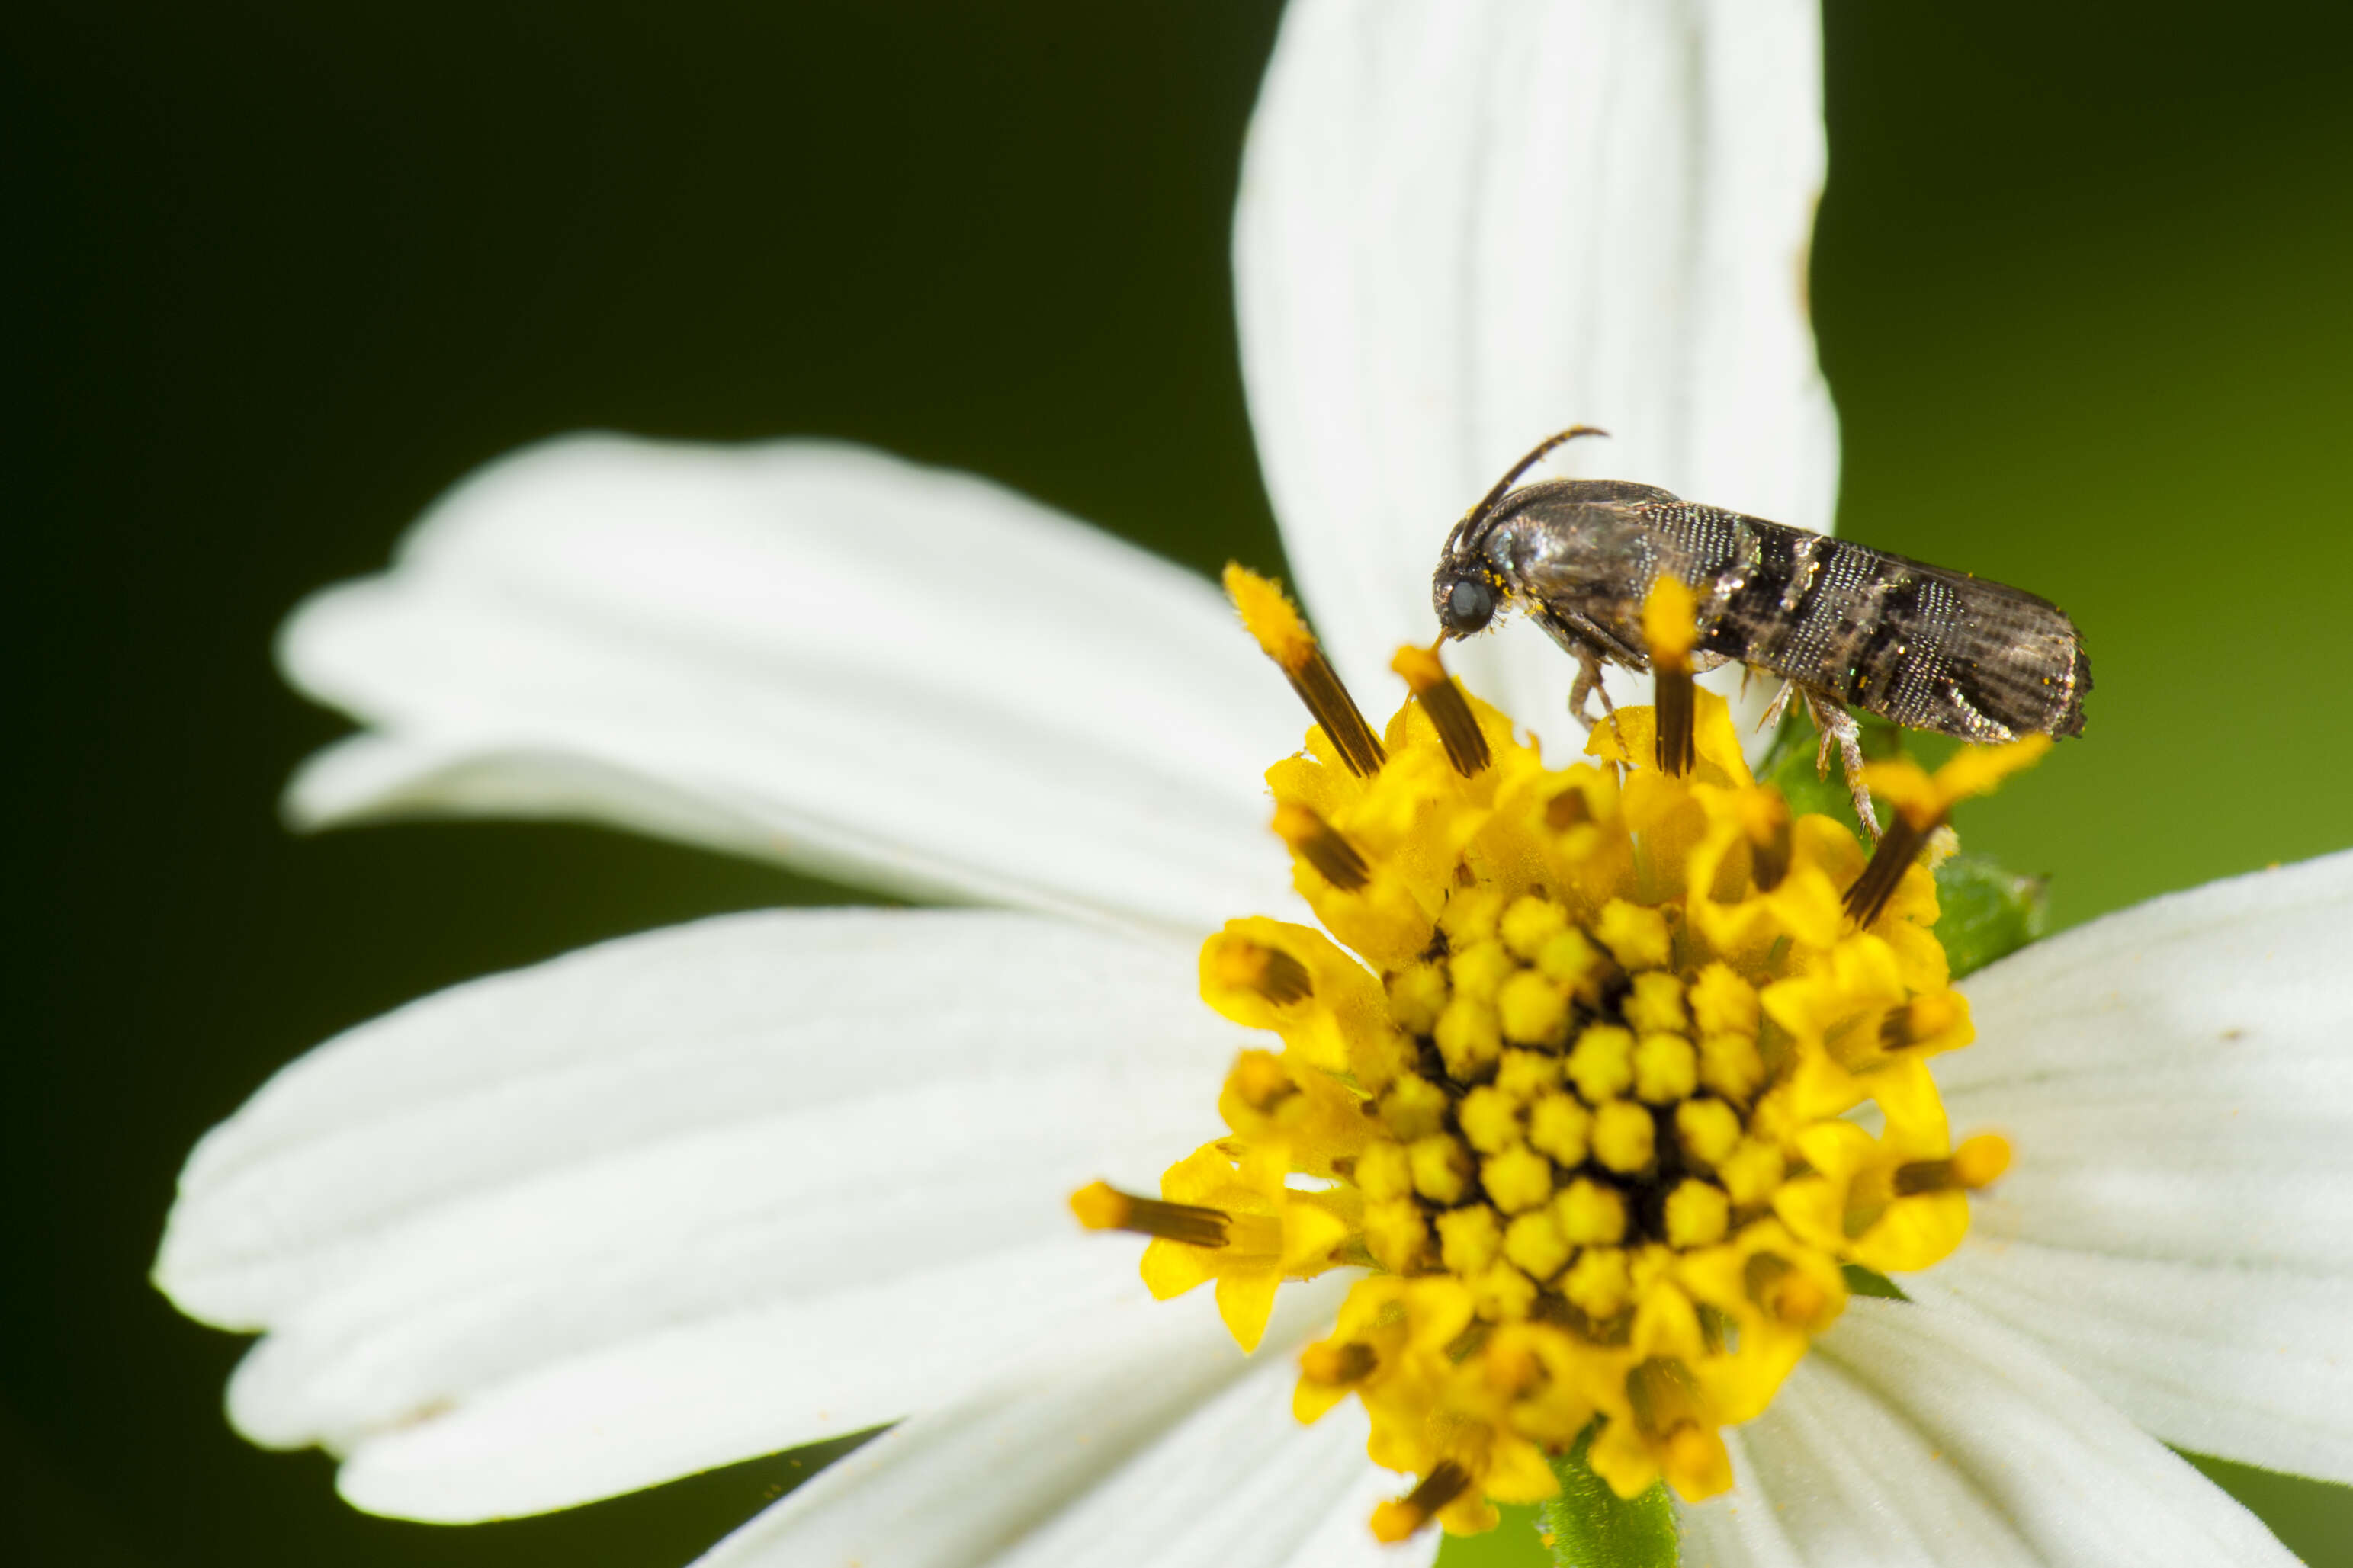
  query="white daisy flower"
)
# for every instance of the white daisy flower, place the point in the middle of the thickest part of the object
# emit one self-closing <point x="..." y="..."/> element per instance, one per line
<point x="706" y="1194"/>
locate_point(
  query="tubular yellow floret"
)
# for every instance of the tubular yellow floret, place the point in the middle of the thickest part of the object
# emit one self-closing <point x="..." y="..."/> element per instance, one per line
<point x="1450" y="713"/>
<point x="1269" y="615"/>
<point x="1319" y="844"/>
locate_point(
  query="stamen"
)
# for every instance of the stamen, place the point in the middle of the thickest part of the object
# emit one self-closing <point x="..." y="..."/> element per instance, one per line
<point x="1766" y="821"/>
<point x="1102" y="1207"/>
<point x="1319" y="844"/>
<point x="1922" y="1019"/>
<point x="1667" y="627"/>
<point x="1922" y="801"/>
<point x="1977" y="1163"/>
<point x="1270" y="616"/>
<point x="1394" y="1522"/>
<point x="1449" y="711"/>
<point x="1334" y="1364"/>
<point x="1568" y="809"/>
<point x="1269" y="970"/>
<point x="1898" y="847"/>
<point x="1777" y="1287"/>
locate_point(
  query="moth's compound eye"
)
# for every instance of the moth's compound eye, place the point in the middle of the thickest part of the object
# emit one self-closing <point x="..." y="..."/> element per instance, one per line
<point x="1470" y="604"/>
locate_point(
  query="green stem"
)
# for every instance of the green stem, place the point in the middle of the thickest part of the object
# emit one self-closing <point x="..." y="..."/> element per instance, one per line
<point x="1590" y="1526"/>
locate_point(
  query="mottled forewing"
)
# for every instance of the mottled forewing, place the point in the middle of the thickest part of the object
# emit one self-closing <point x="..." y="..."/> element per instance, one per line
<point x="1924" y="647"/>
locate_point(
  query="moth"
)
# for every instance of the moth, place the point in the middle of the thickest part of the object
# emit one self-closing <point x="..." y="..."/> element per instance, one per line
<point x="1841" y="624"/>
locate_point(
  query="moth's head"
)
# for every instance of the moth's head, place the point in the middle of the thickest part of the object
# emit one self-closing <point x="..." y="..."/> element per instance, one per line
<point x="1465" y="594"/>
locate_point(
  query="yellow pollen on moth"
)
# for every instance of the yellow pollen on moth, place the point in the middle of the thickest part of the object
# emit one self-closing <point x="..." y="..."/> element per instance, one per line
<point x="1566" y="1077"/>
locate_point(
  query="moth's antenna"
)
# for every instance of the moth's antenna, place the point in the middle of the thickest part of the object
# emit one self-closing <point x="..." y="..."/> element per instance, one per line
<point x="1504" y="485"/>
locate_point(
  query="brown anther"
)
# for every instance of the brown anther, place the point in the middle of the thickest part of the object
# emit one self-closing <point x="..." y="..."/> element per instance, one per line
<point x="1568" y="809"/>
<point x="1320" y="844"/>
<point x="1270" y="616"/>
<point x="1449" y="710"/>
<point x="1335" y="1365"/>
<point x="1663" y="1396"/>
<point x="1667" y="627"/>
<point x="1977" y="1163"/>
<point x="1269" y="970"/>
<point x="1260" y="1082"/>
<point x="1780" y="1290"/>
<point x="1467" y="1344"/>
<point x="1394" y="1522"/>
<point x="1898" y="847"/>
<point x="1102" y="1207"/>
<point x="1922" y="1018"/>
<point x="1768" y="854"/>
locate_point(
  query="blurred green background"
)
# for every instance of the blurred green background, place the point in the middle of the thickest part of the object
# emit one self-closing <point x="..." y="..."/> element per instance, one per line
<point x="279" y="272"/>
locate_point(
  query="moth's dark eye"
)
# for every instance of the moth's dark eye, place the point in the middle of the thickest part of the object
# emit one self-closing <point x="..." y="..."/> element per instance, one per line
<point x="1469" y="605"/>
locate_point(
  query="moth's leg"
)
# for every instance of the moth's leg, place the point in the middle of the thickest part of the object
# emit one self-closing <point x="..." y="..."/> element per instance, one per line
<point x="1778" y="706"/>
<point x="1588" y="686"/>
<point x="1837" y="727"/>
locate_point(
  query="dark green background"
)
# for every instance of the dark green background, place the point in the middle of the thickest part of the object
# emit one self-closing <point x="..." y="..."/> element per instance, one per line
<point x="277" y="273"/>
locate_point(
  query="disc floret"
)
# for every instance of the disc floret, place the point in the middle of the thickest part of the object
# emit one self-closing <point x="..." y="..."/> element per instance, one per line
<point x="1568" y="1076"/>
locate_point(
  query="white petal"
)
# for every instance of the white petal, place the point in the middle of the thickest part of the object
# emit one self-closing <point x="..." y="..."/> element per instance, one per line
<point x="1157" y="1446"/>
<point x="2178" y="1227"/>
<point x="1464" y="227"/>
<point x="687" y="1198"/>
<point x="1914" y="1434"/>
<point x="816" y="654"/>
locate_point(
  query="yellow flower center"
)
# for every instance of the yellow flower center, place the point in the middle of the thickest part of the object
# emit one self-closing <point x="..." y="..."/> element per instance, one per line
<point x="1571" y="1083"/>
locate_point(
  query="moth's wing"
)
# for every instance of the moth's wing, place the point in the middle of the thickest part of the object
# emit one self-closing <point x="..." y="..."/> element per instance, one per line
<point x="1970" y="657"/>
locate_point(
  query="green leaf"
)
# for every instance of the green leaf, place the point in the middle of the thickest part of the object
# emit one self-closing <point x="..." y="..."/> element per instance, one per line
<point x="1985" y="912"/>
<point x="1592" y="1527"/>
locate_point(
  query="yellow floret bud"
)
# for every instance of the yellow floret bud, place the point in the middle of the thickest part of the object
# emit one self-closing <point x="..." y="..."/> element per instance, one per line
<point x="1528" y="1073"/>
<point x="1469" y="1038"/>
<point x="1708" y="1130"/>
<point x="1383" y="1172"/>
<point x="1529" y="923"/>
<point x="1724" y="1004"/>
<point x="1532" y="1009"/>
<point x="1602" y="1064"/>
<point x="1470" y="917"/>
<point x="1517" y="1179"/>
<point x="1395" y="1235"/>
<point x="1599" y="1282"/>
<point x="1666" y="1068"/>
<point x="1413" y="1108"/>
<point x="1468" y="1239"/>
<point x="1656" y="1004"/>
<point x="1480" y="969"/>
<point x="1503" y="1294"/>
<point x="1622" y="1136"/>
<point x="1417" y="996"/>
<point x="1731" y="1065"/>
<point x="1751" y="1172"/>
<point x="1589" y="1213"/>
<point x="1490" y="1120"/>
<point x="1569" y="958"/>
<point x="1441" y="1168"/>
<point x="1560" y="1126"/>
<point x="1635" y="934"/>
<point x="1535" y="1244"/>
<point x="1698" y="1213"/>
